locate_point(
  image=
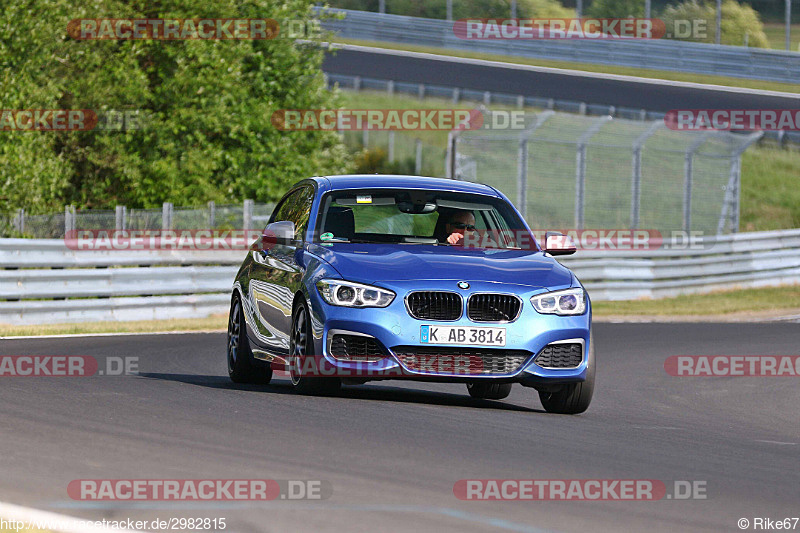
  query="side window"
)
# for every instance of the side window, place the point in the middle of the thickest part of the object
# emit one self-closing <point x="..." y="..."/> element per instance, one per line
<point x="296" y="208"/>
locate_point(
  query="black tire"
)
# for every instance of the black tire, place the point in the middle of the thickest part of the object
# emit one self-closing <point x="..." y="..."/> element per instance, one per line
<point x="242" y="366"/>
<point x="489" y="391"/>
<point x="300" y="346"/>
<point x="574" y="398"/>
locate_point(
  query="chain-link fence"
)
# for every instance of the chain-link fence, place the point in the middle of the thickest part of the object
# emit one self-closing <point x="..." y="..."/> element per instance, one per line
<point x="248" y="215"/>
<point x="574" y="171"/>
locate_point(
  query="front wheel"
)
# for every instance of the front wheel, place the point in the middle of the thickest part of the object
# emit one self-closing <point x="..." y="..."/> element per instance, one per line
<point x="573" y="398"/>
<point x="301" y="350"/>
<point x="489" y="391"/>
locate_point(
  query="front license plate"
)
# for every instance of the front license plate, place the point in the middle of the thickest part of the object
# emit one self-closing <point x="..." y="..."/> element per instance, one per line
<point x="463" y="335"/>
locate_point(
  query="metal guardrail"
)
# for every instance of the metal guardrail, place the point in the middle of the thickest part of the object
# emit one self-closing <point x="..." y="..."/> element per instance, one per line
<point x="757" y="259"/>
<point x="681" y="56"/>
<point x="45" y="282"/>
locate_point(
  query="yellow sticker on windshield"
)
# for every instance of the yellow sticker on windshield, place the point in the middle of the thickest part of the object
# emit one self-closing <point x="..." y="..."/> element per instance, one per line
<point x="364" y="199"/>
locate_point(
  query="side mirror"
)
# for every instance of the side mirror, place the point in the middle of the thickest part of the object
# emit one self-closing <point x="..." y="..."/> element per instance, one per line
<point x="278" y="233"/>
<point x="558" y="244"/>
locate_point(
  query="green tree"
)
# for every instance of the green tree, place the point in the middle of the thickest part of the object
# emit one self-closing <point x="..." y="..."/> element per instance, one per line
<point x="207" y="133"/>
<point x="739" y="22"/>
<point x="616" y="8"/>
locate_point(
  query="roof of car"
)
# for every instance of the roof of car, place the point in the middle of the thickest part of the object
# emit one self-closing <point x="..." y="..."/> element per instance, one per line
<point x="380" y="181"/>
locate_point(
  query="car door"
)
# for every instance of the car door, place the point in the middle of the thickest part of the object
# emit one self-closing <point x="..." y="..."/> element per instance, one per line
<point x="276" y="274"/>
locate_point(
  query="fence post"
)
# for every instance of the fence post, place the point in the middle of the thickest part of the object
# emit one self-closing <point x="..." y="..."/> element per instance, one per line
<point x="390" y="87"/>
<point x="391" y="146"/>
<point x="365" y="137"/>
<point x="119" y="217"/>
<point x="450" y="158"/>
<point x="522" y="176"/>
<point x="487" y="97"/>
<point x="357" y="83"/>
<point x="520" y="101"/>
<point x="688" y="175"/>
<point x="247" y="215"/>
<point x="19" y="221"/>
<point x="688" y="178"/>
<point x="736" y="177"/>
<point x="456" y="95"/>
<point x="421" y="91"/>
<point x="522" y="161"/>
<point x="212" y="214"/>
<point x="452" y="148"/>
<point x="69" y="219"/>
<point x="636" y="171"/>
<point x="166" y="216"/>
<point x="418" y="157"/>
<point x="580" y="169"/>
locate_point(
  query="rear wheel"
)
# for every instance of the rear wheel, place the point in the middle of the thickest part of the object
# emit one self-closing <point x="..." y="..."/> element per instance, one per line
<point x="301" y="350"/>
<point x="573" y="398"/>
<point x="489" y="391"/>
<point x="242" y="367"/>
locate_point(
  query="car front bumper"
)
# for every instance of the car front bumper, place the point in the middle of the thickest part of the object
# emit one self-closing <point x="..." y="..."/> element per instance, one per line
<point x="393" y="327"/>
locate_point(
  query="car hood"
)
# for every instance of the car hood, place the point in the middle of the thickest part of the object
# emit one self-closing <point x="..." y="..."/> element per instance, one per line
<point x="371" y="263"/>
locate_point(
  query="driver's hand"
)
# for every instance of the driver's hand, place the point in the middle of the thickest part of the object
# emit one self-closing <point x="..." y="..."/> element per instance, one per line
<point x="455" y="238"/>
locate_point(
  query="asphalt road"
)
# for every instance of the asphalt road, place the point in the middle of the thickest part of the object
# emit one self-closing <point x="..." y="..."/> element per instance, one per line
<point x="591" y="88"/>
<point x="392" y="451"/>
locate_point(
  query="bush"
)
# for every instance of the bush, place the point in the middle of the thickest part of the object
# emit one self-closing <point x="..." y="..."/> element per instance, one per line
<point x="376" y="161"/>
<point x="616" y="9"/>
<point x="738" y="20"/>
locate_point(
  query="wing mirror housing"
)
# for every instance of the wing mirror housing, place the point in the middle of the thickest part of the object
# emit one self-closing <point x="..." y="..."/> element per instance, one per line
<point x="278" y="233"/>
<point x="556" y="243"/>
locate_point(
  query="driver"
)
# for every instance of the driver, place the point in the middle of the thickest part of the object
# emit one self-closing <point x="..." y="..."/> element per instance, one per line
<point x="459" y="223"/>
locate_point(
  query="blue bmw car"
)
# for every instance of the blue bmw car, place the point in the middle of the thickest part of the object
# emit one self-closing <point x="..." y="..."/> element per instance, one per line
<point x="362" y="278"/>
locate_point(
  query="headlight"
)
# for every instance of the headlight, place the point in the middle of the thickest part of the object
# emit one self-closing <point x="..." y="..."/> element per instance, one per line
<point x="566" y="302"/>
<point x="349" y="294"/>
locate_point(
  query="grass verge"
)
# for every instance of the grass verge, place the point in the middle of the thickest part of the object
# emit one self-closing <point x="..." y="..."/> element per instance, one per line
<point x="214" y="322"/>
<point x="776" y="33"/>
<point x="714" y="303"/>
<point x="726" y="81"/>
<point x="770" y="189"/>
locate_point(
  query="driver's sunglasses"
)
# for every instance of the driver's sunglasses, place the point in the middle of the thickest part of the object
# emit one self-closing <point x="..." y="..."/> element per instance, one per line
<point x="461" y="225"/>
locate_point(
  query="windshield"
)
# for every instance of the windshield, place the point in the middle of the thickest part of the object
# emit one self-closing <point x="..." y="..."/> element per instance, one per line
<point x="420" y="217"/>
